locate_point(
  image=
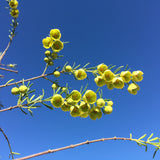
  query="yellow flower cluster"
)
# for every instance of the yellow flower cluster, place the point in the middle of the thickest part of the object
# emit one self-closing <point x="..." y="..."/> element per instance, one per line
<point x="22" y="89"/>
<point x="14" y="11"/>
<point x="53" y="42"/>
<point x="82" y="106"/>
<point x="107" y="77"/>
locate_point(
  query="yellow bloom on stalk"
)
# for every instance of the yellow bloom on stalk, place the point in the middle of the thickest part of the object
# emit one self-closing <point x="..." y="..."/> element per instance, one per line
<point x="90" y="97"/>
<point x="13" y="4"/>
<point x="118" y="82"/>
<point x="95" y="113"/>
<point x="55" y="34"/>
<point x="133" y="88"/>
<point x="80" y="74"/>
<point x="108" y="109"/>
<point x="99" y="81"/>
<point x="137" y="76"/>
<point x="126" y="76"/>
<point x="101" y="68"/>
<point x="57" y="100"/>
<point x="75" y="111"/>
<point x="75" y="96"/>
<point x="108" y="75"/>
<point x="14" y="13"/>
<point x="57" y="46"/>
<point x="47" y="42"/>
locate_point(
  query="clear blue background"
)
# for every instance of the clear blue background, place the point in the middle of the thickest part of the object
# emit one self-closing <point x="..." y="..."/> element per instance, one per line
<point x="112" y="32"/>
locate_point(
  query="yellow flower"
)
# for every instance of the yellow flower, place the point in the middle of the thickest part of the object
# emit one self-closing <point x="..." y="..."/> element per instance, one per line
<point x="95" y="113"/>
<point x="110" y="103"/>
<point x="13" y="4"/>
<point x="65" y="107"/>
<point x="57" y="100"/>
<point x="75" y="96"/>
<point x="23" y="89"/>
<point x="108" y="109"/>
<point x="101" y="68"/>
<point x="74" y="111"/>
<point x="15" y="90"/>
<point x="68" y="68"/>
<point x="14" y="13"/>
<point x="100" y="102"/>
<point x="57" y="46"/>
<point x="55" y="34"/>
<point x="137" y="76"/>
<point x="84" y="107"/>
<point x="133" y="88"/>
<point x="99" y="81"/>
<point x="108" y="75"/>
<point x="118" y="82"/>
<point x="126" y="76"/>
<point x="90" y="97"/>
<point x="47" y="42"/>
<point x="57" y="74"/>
<point x="80" y="74"/>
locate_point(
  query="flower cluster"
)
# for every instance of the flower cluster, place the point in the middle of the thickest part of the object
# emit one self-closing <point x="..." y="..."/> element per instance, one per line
<point x="52" y="42"/>
<point x="82" y="105"/>
<point x="17" y="90"/>
<point x="112" y="80"/>
<point x="13" y="4"/>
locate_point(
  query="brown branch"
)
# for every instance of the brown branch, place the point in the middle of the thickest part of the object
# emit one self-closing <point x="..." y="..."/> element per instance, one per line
<point x="30" y="79"/>
<point x="10" y="108"/>
<point x="71" y="146"/>
<point x="4" y="52"/>
<point x="7" y="142"/>
<point x="10" y="70"/>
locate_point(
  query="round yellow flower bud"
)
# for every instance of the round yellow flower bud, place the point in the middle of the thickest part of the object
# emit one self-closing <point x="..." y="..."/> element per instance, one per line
<point x="57" y="100"/>
<point x="108" y="109"/>
<point x="90" y="97"/>
<point x="55" y="34"/>
<point x="80" y="74"/>
<point x="101" y="68"/>
<point x="47" y="53"/>
<point x="23" y="89"/>
<point x="56" y="74"/>
<point x="100" y="102"/>
<point x="126" y="76"/>
<point x="68" y="68"/>
<point x="13" y="4"/>
<point x="57" y="46"/>
<point x="118" y="82"/>
<point x="15" y="90"/>
<point x="99" y="81"/>
<point x="137" y="76"/>
<point x="14" y="13"/>
<point x="47" y="42"/>
<point x="110" y="103"/>
<point x="108" y="75"/>
<point x="54" y="86"/>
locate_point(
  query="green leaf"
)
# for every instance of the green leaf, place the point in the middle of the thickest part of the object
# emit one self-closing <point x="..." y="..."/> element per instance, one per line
<point x="142" y="137"/>
<point x="48" y="106"/>
<point x="154" y="139"/>
<point x="23" y="111"/>
<point x="85" y="65"/>
<point x="16" y="153"/>
<point x="9" y="82"/>
<point x="23" y="81"/>
<point x="118" y="69"/>
<point x="155" y="153"/>
<point x="130" y="135"/>
<point x="31" y="113"/>
<point x="85" y="89"/>
<point x="146" y="149"/>
<point x="150" y="137"/>
<point x="77" y="66"/>
<point x="32" y="97"/>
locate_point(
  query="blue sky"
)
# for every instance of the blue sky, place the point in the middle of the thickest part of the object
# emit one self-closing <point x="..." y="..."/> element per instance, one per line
<point x="111" y="32"/>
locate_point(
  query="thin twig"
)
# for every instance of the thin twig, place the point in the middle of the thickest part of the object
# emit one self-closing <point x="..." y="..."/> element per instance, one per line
<point x="7" y="142"/>
<point x="4" y="52"/>
<point x="10" y="70"/>
<point x="71" y="146"/>
<point x="30" y="79"/>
